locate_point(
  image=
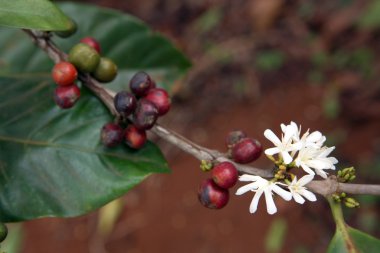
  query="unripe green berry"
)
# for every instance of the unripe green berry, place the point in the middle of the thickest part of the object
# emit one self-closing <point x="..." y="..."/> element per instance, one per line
<point x="3" y="231"/>
<point x="84" y="57"/>
<point x="106" y="70"/>
<point x="67" y="33"/>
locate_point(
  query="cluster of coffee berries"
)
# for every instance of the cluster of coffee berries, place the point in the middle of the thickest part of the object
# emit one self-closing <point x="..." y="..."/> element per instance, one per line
<point x="83" y="57"/>
<point x="213" y="192"/>
<point x="140" y="107"/>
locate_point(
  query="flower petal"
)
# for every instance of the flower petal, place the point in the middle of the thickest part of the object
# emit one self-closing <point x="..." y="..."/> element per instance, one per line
<point x="272" y="151"/>
<point x="314" y="136"/>
<point x="246" y="177"/>
<point x="271" y="207"/>
<point x="255" y="201"/>
<point x="309" y="195"/>
<point x="283" y="193"/>
<point x="247" y="188"/>
<point x="298" y="198"/>
<point x="305" y="180"/>
<point x="286" y="157"/>
<point x="307" y="169"/>
<point x="272" y="137"/>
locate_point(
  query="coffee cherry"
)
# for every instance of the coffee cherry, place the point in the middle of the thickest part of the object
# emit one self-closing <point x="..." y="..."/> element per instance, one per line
<point x="84" y="57"/>
<point x="64" y="73"/>
<point x="111" y="135"/>
<point x="212" y="196"/>
<point x="134" y="137"/>
<point x="247" y="150"/>
<point x="225" y="175"/>
<point x="92" y="43"/>
<point x="3" y="231"/>
<point x="73" y="27"/>
<point x="66" y="96"/>
<point x="125" y="103"/>
<point x="234" y="137"/>
<point x="160" y="98"/>
<point x="140" y="84"/>
<point x="145" y="115"/>
<point x="106" y="70"/>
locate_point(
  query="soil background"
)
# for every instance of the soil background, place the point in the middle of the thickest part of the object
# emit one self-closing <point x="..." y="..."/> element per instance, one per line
<point x="256" y="64"/>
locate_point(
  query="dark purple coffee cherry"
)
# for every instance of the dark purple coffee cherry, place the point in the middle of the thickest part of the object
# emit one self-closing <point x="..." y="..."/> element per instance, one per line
<point x="134" y="137"/>
<point x="125" y="103"/>
<point x="3" y="231"/>
<point x="234" y="137"/>
<point x="111" y="135"/>
<point x="212" y="196"/>
<point x="145" y="115"/>
<point x="247" y="150"/>
<point x="140" y="84"/>
<point x="66" y="96"/>
<point x="160" y="98"/>
<point x="225" y="175"/>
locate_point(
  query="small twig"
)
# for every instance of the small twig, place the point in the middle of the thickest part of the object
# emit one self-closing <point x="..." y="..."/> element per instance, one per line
<point x="323" y="187"/>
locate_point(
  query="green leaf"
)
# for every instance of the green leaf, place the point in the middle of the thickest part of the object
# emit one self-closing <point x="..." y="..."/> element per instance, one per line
<point x="347" y="239"/>
<point x="33" y="14"/>
<point x="51" y="160"/>
<point x="357" y="241"/>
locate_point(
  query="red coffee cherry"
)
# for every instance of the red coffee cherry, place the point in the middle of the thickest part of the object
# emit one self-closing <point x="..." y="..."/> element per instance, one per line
<point x="66" y="96"/>
<point x="92" y="43"/>
<point x="145" y="115"/>
<point x="225" y="175"/>
<point x="140" y="84"/>
<point x="64" y="73"/>
<point x="160" y="98"/>
<point x="125" y="103"/>
<point x="247" y="150"/>
<point x="134" y="137"/>
<point x="111" y="134"/>
<point x="234" y="137"/>
<point x="212" y="196"/>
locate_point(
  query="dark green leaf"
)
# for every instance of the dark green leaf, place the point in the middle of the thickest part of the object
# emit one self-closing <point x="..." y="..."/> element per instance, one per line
<point x="33" y="14"/>
<point x="51" y="160"/>
<point x="353" y="240"/>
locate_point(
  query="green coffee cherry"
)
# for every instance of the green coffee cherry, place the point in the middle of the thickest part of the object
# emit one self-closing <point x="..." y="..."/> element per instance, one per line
<point x="84" y="57"/>
<point x="3" y="231"/>
<point x="67" y="33"/>
<point x="106" y="70"/>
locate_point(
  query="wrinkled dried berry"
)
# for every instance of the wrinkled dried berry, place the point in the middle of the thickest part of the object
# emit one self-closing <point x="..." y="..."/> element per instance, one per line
<point x="225" y="175"/>
<point x="125" y="103"/>
<point x="247" y="150"/>
<point x="140" y="84"/>
<point x="160" y="98"/>
<point x="212" y="196"/>
<point x="145" y="115"/>
<point x="134" y="137"/>
<point x="66" y="96"/>
<point x="111" y="134"/>
<point x="234" y="137"/>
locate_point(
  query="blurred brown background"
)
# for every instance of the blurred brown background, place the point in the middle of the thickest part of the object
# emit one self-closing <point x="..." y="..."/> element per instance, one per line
<point x="256" y="64"/>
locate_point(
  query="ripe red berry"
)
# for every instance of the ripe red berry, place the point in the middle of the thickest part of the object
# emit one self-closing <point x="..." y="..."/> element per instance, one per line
<point x="247" y="150"/>
<point x="66" y="96"/>
<point x="64" y="73"/>
<point x="140" y="84"/>
<point x="134" y="137"/>
<point x="111" y="134"/>
<point x="225" y="175"/>
<point x="92" y="43"/>
<point x="234" y="137"/>
<point x="145" y="115"/>
<point x="125" y="103"/>
<point x="212" y="196"/>
<point x="160" y="98"/>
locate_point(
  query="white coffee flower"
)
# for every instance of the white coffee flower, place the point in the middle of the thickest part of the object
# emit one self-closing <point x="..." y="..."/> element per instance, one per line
<point x="311" y="158"/>
<point x="299" y="191"/>
<point x="260" y="185"/>
<point x="286" y="144"/>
